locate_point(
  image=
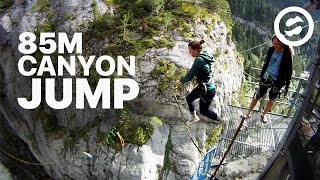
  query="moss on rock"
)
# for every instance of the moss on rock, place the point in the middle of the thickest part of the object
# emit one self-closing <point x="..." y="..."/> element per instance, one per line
<point x="132" y="131"/>
<point x="213" y="135"/>
<point x="166" y="73"/>
<point x="51" y="125"/>
<point x="6" y="4"/>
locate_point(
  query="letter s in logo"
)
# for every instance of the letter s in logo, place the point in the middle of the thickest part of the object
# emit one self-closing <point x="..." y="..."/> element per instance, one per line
<point x="291" y="22"/>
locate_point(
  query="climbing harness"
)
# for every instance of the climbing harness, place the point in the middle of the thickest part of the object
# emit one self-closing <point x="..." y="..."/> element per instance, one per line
<point x="204" y="99"/>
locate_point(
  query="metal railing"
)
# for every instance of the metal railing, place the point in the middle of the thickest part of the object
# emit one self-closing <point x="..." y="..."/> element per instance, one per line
<point x="293" y="150"/>
<point x="254" y="138"/>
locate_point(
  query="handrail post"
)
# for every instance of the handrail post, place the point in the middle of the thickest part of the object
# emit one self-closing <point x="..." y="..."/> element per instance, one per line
<point x="295" y="96"/>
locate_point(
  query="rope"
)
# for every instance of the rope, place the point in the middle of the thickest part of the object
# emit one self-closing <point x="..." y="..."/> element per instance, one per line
<point x="40" y="164"/>
<point x="23" y="161"/>
<point x="185" y="123"/>
<point x="251" y="76"/>
<point x="255" y="47"/>
<point x="308" y="24"/>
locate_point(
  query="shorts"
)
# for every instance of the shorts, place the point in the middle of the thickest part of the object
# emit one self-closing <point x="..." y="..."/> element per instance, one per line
<point x="263" y="88"/>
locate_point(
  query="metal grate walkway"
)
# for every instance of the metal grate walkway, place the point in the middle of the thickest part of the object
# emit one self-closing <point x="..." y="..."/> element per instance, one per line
<point x="256" y="138"/>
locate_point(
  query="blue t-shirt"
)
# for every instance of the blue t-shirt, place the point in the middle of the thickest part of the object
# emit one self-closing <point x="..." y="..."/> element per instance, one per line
<point x="274" y="65"/>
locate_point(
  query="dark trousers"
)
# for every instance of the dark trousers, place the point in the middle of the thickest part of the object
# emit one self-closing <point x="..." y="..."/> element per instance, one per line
<point x="205" y="102"/>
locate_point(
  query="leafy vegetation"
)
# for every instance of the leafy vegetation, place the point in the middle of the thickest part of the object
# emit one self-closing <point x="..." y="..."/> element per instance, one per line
<point x="77" y="134"/>
<point x="46" y="26"/>
<point x="244" y="89"/>
<point x="50" y="124"/>
<point x="169" y="147"/>
<point x="156" y="121"/>
<point x="213" y="135"/>
<point x="51" y="21"/>
<point x="153" y="6"/>
<point x="6" y="4"/>
<point x="68" y="16"/>
<point x="217" y="53"/>
<point x="166" y="73"/>
<point x="135" y="23"/>
<point x="42" y="5"/>
<point x="136" y="26"/>
<point x="222" y="8"/>
<point x="132" y="131"/>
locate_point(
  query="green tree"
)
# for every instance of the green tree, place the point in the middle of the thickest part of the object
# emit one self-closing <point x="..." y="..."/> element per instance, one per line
<point x="222" y="8"/>
<point x="125" y="20"/>
<point x="153" y="6"/>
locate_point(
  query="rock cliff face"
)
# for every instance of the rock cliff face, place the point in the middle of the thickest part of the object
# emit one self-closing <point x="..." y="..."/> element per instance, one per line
<point x="58" y="138"/>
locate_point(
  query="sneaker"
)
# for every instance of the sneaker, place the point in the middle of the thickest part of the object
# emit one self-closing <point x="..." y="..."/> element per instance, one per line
<point x="264" y="119"/>
<point x="194" y="116"/>
<point x="219" y="120"/>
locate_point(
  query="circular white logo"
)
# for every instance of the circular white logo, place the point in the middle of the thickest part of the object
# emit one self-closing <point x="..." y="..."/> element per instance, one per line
<point x="292" y="21"/>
